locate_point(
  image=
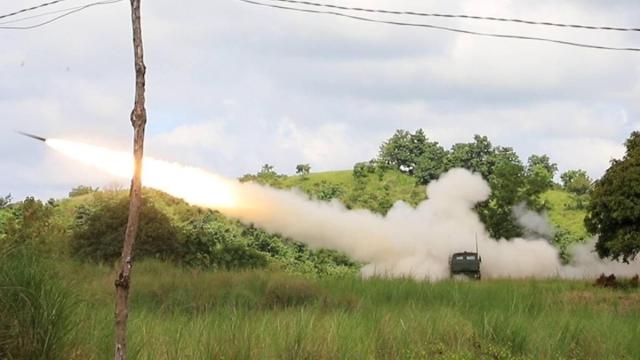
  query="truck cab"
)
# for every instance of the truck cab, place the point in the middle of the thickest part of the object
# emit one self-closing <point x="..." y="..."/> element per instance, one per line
<point x="465" y="264"/>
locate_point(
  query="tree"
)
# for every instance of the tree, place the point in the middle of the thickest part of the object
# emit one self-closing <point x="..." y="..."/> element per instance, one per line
<point x="32" y="222"/>
<point x="303" y="169"/>
<point x="82" y="190"/>
<point x="363" y="169"/>
<point x="5" y="201"/>
<point x="405" y="151"/>
<point x="542" y="161"/>
<point x="476" y="156"/>
<point x="431" y="163"/>
<point x="614" y="210"/>
<point x="97" y="231"/>
<point x="576" y="181"/>
<point x="266" y="176"/>
<point x="507" y="181"/>
<point x="539" y="178"/>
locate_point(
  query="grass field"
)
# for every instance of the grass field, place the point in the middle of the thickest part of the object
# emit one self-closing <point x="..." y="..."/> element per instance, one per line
<point x="187" y="314"/>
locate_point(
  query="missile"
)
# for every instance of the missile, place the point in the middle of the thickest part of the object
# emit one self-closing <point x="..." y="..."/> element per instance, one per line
<point x="32" y="136"/>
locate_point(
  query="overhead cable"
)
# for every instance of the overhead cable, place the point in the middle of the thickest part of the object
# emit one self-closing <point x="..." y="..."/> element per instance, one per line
<point x="72" y="11"/>
<point x="31" y="8"/>
<point x="13" y="21"/>
<point x="460" y="16"/>
<point x="445" y="28"/>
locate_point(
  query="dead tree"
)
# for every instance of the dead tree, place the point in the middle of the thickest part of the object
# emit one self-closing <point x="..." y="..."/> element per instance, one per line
<point x="138" y="121"/>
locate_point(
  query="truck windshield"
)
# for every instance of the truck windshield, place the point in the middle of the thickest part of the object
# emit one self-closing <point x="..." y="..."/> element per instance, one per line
<point x="471" y="257"/>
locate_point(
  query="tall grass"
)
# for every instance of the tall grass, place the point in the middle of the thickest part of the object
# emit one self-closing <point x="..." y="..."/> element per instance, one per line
<point x="178" y="313"/>
<point x="35" y="308"/>
<point x="183" y="314"/>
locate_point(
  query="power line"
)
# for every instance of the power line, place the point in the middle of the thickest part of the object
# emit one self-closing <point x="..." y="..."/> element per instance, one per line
<point x="460" y="16"/>
<point x="430" y="26"/>
<point x="70" y="12"/>
<point x="31" y="8"/>
<point x="39" y="15"/>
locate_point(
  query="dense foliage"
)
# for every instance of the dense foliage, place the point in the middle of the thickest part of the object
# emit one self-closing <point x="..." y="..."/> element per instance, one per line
<point x="211" y="243"/>
<point x="171" y="229"/>
<point x="31" y="222"/>
<point x="511" y="181"/>
<point x="614" y="209"/>
<point x="576" y="182"/>
<point x="98" y="230"/>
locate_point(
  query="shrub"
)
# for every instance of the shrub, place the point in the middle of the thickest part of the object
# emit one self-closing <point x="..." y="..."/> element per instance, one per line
<point x="32" y="222"/>
<point x="98" y="230"/>
<point x="210" y="242"/>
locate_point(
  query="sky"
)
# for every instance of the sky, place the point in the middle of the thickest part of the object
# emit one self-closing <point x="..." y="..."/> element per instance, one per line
<point x="232" y="86"/>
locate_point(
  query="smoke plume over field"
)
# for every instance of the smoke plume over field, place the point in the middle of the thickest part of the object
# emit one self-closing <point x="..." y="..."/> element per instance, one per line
<point x="407" y="241"/>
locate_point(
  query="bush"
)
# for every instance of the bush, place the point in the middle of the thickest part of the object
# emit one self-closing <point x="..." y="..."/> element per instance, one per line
<point x="98" y="230"/>
<point x="32" y="222"/>
<point x="35" y="310"/>
<point x="209" y="242"/>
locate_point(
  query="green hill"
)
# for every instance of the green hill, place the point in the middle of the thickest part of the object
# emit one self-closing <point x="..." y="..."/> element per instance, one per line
<point x="566" y="213"/>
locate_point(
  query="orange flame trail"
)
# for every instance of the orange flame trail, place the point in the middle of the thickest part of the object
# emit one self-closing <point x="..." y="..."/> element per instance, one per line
<point x="194" y="185"/>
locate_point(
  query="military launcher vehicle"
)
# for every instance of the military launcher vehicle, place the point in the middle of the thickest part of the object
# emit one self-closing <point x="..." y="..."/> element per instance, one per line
<point x="465" y="264"/>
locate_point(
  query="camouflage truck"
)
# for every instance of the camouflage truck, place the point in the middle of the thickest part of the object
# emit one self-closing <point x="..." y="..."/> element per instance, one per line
<point x="465" y="264"/>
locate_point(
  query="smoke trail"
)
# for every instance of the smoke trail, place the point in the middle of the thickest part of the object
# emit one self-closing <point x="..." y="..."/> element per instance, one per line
<point x="407" y="241"/>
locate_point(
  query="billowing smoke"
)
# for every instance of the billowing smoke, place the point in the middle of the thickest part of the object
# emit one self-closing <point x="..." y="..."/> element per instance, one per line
<point x="408" y="241"/>
<point x="533" y="223"/>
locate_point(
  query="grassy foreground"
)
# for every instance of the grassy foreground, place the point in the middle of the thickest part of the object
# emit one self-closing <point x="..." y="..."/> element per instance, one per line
<point x="183" y="314"/>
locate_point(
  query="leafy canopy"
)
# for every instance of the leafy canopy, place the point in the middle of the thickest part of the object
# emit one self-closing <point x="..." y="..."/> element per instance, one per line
<point x="99" y="227"/>
<point x="576" y="181"/>
<point x="511" y="182"/>
<point x="614" y="209"/>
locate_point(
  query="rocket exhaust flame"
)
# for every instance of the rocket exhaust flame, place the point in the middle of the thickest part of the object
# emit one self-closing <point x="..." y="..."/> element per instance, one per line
<point x="191" y="184"/>
<point x="407" y="241"/>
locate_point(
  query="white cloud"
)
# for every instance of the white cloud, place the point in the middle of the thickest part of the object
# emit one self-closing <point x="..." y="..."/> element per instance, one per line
<point x="590" y="154"/>
<point x="325" y="147"/>
<point x="223" y="75"/>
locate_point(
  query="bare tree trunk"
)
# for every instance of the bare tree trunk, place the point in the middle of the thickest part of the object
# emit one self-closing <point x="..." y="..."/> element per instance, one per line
<point x="138" y="121"/>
